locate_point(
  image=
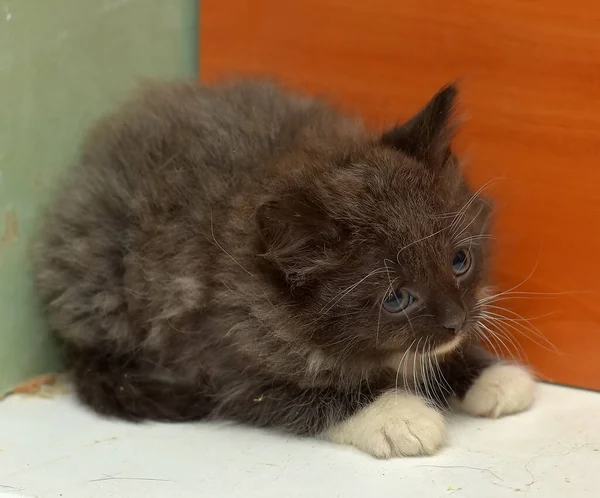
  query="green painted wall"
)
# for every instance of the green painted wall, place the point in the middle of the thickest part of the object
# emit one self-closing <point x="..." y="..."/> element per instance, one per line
<point x="63" y="63"/>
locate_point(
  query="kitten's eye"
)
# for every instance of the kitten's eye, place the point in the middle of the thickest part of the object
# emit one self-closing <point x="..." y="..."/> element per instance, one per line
<point x="397" y="301"/>
<point x="461" y="262"/>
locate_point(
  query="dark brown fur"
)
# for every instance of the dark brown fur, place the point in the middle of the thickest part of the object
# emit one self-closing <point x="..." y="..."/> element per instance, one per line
<point x="210" y="256"/>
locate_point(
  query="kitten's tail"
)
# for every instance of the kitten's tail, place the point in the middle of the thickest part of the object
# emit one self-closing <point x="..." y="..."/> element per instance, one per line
<point x="118" y="387"/>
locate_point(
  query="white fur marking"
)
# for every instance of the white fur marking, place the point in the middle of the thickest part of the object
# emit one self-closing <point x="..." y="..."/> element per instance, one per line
<point x="449" y="346"/>
<point x="188" y="290"/>
<point x="408" y="360"/>
<point x="393" y="425"/>
<point x="401" y="361"/>
<point x="315" y="362"/>
<point x="500" y="390"/>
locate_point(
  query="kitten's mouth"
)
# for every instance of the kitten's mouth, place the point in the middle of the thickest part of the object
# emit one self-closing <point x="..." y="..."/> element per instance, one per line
<point x="407" y="357"/>
<point x="449" y="346"/>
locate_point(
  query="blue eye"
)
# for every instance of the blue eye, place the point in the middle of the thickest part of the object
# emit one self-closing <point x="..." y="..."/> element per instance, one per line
<point x="397" y="301"/>
<point x="461" y="262"/>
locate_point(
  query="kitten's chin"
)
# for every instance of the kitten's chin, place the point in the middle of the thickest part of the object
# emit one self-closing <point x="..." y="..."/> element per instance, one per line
<point x="449" y="346"/>
<point x="407" y="357"/>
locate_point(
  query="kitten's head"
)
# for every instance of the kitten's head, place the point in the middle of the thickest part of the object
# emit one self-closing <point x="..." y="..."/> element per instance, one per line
<point x="382" y="248"/>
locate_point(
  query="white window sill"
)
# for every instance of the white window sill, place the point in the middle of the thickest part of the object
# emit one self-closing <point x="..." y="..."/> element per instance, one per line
<point x="55" y="448"/>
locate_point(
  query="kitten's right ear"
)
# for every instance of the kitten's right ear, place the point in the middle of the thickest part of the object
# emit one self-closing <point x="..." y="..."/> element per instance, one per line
<point x="427" y="136"/>
<point x="296" y="234"/>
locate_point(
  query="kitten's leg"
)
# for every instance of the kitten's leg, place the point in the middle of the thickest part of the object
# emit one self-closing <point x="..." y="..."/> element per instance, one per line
<point x="485" y="386"/>
<point x="124" y="387"/>
<point x="395" y="424"/>
<point x="385" y="425"/>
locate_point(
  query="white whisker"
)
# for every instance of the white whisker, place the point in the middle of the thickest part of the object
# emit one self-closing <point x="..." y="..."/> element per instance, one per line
<point x="336" y="299"/>
<point x="466" y="227"/>
<point x="460" y="214"/>
<point x="417" y="241"/>
<point x="473" y="238"/>
<point x="414" y="370"/>
<point x="495" y="335"/>
<point x="506" y="335"/>
<point x="523" y="331"/>
<point x="216" y="242"/>
<point x="404" y="356"/>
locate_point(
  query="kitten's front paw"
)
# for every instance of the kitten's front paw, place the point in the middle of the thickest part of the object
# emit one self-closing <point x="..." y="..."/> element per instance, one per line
<point x="500" y="390"/>
<point x="393" y="425"/>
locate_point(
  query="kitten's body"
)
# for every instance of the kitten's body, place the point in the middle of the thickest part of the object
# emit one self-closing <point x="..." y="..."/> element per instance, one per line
<point x="221" y="253"/>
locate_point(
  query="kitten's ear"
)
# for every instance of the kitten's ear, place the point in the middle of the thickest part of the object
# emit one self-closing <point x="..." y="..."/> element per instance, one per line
<point x="428" y="135"/>
<point x="297" y="236"/>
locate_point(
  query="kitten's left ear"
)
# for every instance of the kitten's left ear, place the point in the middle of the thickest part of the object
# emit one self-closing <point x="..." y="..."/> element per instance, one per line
<point x="428" y="135"/>
<point x="297" y="236"/>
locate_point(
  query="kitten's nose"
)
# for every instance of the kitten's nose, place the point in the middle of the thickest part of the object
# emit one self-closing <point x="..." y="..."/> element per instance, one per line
<point x="454" y="319"/>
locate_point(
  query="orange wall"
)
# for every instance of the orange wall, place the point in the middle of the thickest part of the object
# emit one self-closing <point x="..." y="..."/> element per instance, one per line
<point x="530" y="75"/>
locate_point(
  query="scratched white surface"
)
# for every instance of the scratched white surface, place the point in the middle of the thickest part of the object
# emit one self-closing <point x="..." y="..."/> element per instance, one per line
<point x="55" y="448"/>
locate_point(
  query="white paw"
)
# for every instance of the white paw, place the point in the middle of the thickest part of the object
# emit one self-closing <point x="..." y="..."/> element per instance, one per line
<point x="500" y="390"/>
<point x="393" y="425"/>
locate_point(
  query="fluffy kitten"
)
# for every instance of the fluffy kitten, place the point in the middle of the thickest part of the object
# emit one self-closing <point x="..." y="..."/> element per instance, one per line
<point x="240" y="253"/>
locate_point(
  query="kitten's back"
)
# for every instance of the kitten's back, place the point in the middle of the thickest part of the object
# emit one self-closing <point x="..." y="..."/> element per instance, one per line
<point x="127" y="226"/>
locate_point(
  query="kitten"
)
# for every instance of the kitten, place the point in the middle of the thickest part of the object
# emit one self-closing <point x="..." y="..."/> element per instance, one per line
<point x="241" y="253"/>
